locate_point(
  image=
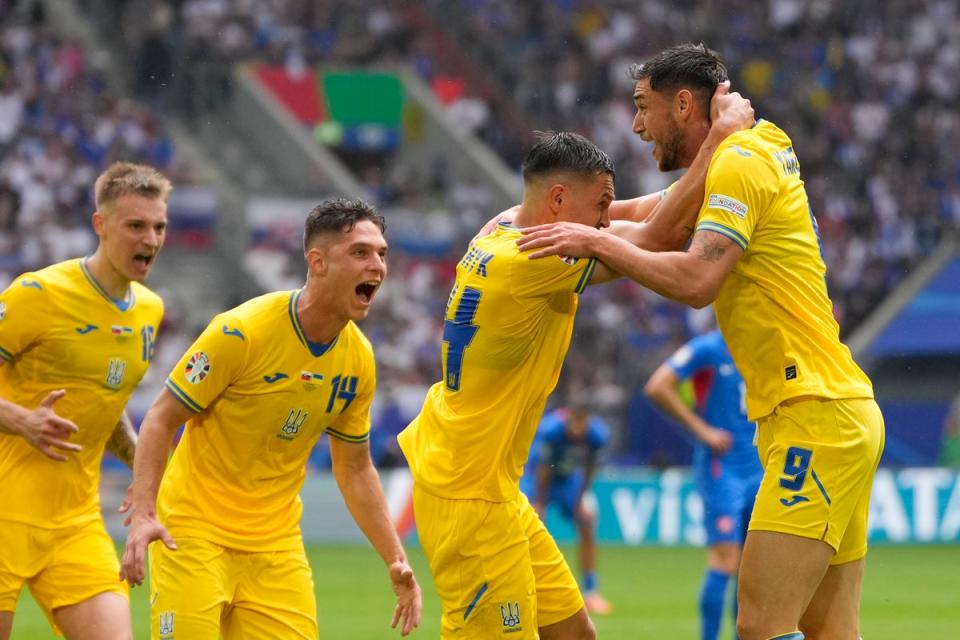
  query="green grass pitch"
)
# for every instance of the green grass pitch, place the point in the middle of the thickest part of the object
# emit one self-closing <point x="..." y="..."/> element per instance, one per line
<point x="909" y="592"/>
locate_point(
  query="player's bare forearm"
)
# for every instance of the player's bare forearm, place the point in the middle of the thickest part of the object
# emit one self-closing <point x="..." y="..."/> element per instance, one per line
<point x="11" y="415"/>
<point x="153" y="447"/>
<point x="634" y="209"/>
<point x="670" y="220"/>
<point x="362" y="493"/>
<point x="693" y="277"/>
<point x="544" y="476"/>
<point x="673" y="218"/>
<point x="662" y="389"/>
<point x="123" y="441"/>
<point x="156" y="433"/>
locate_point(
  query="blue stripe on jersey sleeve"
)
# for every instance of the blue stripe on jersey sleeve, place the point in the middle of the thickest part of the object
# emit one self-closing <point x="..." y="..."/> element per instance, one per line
<point x="723" y="230"/>
<point x="182" y="396"/>
<point x="6" y="355"/>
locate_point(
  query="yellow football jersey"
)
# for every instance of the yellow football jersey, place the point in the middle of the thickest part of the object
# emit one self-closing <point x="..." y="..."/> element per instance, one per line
<point x="60" y="330"/>
<point x="263" y="395"/>
<point x="506" y="331"/>
<point x="773" y="307"/>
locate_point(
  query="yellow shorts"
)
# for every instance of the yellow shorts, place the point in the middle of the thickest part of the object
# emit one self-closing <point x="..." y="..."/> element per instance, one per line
<point x="496" y="568"/>
<point x="203" y="591"/>
<point x="60" y="566"/>
<point x="819" y="458"/>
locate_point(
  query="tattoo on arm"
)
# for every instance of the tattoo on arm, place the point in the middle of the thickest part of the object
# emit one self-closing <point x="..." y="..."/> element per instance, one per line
<point x="123" y="441"/>
<point x="708" y="248"/>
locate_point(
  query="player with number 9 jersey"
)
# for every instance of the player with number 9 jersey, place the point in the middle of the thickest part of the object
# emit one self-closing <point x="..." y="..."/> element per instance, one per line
<point x="817" y="421"/>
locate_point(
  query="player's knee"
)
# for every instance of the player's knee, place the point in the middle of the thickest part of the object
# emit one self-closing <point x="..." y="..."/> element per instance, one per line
<point x="724" y="558"/>
<point x="579" y="627"/>
<point x="584" y="518"/>
<point x="589" y="631"/>
<point x="729" y="564"/>
<point x="750" y="626"/>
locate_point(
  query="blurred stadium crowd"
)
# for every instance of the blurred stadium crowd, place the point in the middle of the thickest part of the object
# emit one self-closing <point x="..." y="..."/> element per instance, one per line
<point x="866" y="90"/>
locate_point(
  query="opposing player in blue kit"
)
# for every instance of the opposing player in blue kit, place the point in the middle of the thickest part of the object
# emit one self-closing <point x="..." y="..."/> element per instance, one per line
<point x="725" y="462"/>
<point x="559" y="472"/>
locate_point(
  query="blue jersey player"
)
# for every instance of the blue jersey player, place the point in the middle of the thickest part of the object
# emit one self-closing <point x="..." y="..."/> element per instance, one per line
<point x="725" y="462"/>
<point x="559" y="472"/>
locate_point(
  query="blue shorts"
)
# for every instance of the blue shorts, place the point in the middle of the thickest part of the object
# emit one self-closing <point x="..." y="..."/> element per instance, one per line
<point x="563" y="493"/>
<point x="728" y="499"/>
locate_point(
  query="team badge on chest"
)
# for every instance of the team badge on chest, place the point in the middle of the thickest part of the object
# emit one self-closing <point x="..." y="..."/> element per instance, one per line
<point x="115" y="369"/>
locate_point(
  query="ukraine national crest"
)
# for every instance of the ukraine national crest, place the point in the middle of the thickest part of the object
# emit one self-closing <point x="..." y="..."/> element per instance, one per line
<point x="197" y="367"/>
<point x="115" y="369"/>
<point x="166" y="623"/>
<point x="510" y="613"/>
<point x="570" y="260"/>
<point x="292" y="425"/>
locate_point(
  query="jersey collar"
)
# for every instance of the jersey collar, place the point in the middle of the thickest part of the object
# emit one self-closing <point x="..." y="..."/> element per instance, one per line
<point x="317" y="349"/>
<point x="123" y="304"/>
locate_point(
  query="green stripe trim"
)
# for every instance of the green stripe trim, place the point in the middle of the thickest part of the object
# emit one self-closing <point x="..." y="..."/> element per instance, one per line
<point x="182" y="396"/>
<point x="733" y="234"/>
<point x="339" y="435"/>
<point x="586" y="275"/>
<point x="294" y="319"/>
<point x="6" y="355"/>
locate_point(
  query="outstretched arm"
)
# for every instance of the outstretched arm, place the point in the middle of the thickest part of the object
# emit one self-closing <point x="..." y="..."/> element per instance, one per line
<point x="662" y="389"/>
<point x="363" y="495"/>
<point x="156" y="434"/>
<point x="693" y="277"/>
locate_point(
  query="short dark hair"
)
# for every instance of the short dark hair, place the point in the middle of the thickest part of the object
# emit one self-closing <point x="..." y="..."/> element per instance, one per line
<point x="565" y="151"/>
<point x="685" y="66"/>
<point x="339" y="215"/>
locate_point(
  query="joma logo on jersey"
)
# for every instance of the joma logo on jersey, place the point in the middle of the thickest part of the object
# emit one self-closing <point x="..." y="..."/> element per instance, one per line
<point x="115" y="369"/>
<point x="292" y="425"/>
<point x="510" y="613"/>
<point x="166" y="623"/>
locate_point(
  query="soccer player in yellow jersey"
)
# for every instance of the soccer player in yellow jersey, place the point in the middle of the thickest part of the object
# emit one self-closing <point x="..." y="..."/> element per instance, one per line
<point x="507" y="328"/>
<point x="756" y="253"/>
<point x="257" y="389"/>
<point x="75" y="340"/>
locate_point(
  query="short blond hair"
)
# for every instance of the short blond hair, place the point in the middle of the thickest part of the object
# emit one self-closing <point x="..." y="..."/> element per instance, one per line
<point x="125" y="178"/>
